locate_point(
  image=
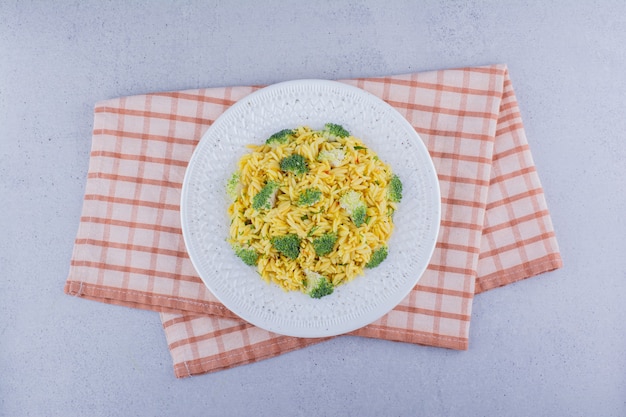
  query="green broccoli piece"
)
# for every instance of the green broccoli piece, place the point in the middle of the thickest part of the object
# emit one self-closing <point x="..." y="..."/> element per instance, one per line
<point x="317" y="285"/>
<point x="288" y="245"/>
<point x="248" y="255"/>
<point x="324" y="244"/>
<point x="280" y="138"/>
<point x="394" y="190"/>
<point x="266" y="198"/>
<point x="354" y="205"/>
<point x="379" y="255"/>
<point x="233" y="186"/>
<point x="294" y="163"/>
<point x="333" y="131"/>
<point x="359" y="215"/>
<point x="334" y="157"/>
<point x="309" y="196"/>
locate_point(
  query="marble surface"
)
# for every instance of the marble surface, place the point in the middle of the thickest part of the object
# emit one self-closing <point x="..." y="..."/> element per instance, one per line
<point x="551" y="345"/>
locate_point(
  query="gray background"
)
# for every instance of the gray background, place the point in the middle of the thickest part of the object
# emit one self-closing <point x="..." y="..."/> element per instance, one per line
<point x="551" y="345"/>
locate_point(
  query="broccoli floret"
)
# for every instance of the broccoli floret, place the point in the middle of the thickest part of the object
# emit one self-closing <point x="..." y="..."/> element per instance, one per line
<point x="334" y="157"/>
<point x="309" y="197"/>
<point x="354" y="205"/>
<point x="288" y="245"/>
<point x="359" y="215"/>
<point x="233" y="186"/>
<point x="317" y="285"/>
<point x="248" y="255"/>
<point x="294" y="163"/>
<point x="379" y="255"/>
<point x="266" y="198"/>
<point x="324" y="244"/>
<point x="333" y="131"/>
<point x="394" y="190"/>
<point x="280" y="138"/>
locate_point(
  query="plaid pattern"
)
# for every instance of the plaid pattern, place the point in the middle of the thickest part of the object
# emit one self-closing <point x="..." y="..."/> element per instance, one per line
<point x="495" y="226"/>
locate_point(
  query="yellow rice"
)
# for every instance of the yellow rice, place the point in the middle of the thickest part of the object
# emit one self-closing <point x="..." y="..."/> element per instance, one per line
<point x="361" y="170"/>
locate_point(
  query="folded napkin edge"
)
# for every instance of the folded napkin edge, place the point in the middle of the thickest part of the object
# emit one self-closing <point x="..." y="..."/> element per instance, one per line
<point x="501" y="68"/>
<point x="547" y="263"/>
<point x="144" y="301"/>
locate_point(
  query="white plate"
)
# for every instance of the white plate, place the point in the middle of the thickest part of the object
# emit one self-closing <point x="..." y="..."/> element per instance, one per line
<point x="313" y="103"/>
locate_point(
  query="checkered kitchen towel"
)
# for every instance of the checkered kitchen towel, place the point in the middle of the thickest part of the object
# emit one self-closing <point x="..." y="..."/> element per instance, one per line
<point x="495" y="226"/>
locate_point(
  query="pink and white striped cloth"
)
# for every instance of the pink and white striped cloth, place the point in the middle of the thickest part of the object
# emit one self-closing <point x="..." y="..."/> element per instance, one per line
<point x="495" y="226"/>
